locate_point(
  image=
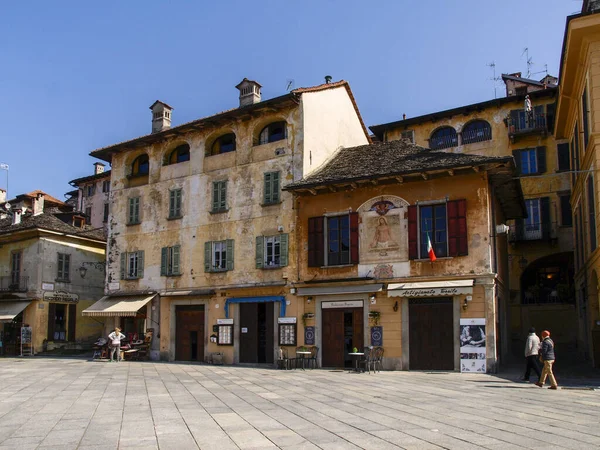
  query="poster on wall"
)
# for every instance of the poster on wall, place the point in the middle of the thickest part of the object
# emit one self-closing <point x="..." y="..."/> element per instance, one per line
<point x="472" y="345"/>
<point x="377" y="336"/>
<point x="309" y="335"/>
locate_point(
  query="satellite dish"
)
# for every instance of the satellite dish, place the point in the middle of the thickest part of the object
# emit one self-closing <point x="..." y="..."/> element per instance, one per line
<point x="7" y="206"/>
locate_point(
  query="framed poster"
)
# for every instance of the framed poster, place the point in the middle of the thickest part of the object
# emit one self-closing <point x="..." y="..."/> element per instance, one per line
<point x="309" y="335"/>
<point x="287" y="334"/>
<point x="472" y="345"/>
<point x="377" y="336"/>
<point x="225" y="336"/>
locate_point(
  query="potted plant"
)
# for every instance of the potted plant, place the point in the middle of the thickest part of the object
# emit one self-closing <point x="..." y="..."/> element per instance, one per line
<point x="375" y="316"/>
<point x="307" y="316"/>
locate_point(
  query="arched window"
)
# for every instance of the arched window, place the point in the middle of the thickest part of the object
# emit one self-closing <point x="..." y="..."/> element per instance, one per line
<point x="179" y="154"/>
<point x="140" y="166"/>
<point x="476" y="131"/>
<point x="272" y="132"/>
<point x="224" y="144"/>
<point x="444" y="137"/>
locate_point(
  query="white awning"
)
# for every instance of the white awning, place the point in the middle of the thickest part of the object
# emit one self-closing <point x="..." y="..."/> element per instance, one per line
<point x="9" y="310"/>
<point x="336" y="290"/>
<point x="119" y="306"/>
<point x="431" y="288"/>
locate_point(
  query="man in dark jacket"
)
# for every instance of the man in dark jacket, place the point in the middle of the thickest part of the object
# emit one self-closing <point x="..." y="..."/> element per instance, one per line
<point x="547" y="352"/>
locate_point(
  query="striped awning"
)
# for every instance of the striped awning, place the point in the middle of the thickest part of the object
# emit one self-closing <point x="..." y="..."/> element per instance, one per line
<point x="118" y="306"/>
<point x="9" y="310"/>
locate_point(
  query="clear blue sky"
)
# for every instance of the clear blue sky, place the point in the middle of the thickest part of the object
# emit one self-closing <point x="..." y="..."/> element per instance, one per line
<point x="78" y="75"/>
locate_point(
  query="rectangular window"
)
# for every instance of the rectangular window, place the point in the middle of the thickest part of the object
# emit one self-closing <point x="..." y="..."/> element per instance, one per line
<point x="88" y="215"/>
<point x="338" y="240"/>
<point x="64" y="265"/>
<point x="90" y="189"/>
<point x="174" y="203"/>
<point x="433" y="226"/>
<point x="533" y="222"/>
<point x="15" y="268"/>
<point x="218" y="256"/>
<point x="585" y="118"/>
<point x="408" y="135"/>
<point x="591" y="213"/>
<point x="566" y="215"/>
<point x="133" y="213"/>
<point x="219" y="203"/>
<point x="271" y="251"/>
<point x="105" y="215"/>
<point x="169" y="264"/>
<point x="132" y="265"/>
<point x="271" y="192"/>
<point x="528" y="161"/>
<point x="106" y="186"/>
<point x="563" y="156"/>
<point x="333" y="241"/>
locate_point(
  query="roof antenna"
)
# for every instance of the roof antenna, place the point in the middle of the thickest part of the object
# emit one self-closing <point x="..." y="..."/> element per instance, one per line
<point x="529" y="61"/>
<point x="328" y="79"/>
<point x="290" y="85"/>
<point x="494" y="78"/>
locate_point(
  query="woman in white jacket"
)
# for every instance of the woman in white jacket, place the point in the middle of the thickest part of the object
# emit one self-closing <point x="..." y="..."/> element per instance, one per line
<point x="532" y="348"/>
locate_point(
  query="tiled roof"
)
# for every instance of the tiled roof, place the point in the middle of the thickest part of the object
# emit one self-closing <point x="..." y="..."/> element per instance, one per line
<point x="47" y="221"/>
<point x="97" y="176"/>
<point x="385" y="159"/>
<point x="47" y="197"/>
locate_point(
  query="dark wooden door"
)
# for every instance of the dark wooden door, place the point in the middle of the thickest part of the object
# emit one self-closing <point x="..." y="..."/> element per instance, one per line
<point x="266" y="329"/>
<point x="431" y="334"/>
<point x="333" y="338"/>
<point x="189" y="335"/>
<point x="248" y="332"/>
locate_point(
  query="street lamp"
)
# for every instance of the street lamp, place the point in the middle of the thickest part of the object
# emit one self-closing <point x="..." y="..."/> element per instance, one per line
<point x="101" y="265"/>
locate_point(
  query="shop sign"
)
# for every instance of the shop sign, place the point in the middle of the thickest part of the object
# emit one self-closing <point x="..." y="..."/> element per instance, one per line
<point x="472" y="345"/>
<point x="343" y="304"/>
<point x="47" y="286"/>
<point x="60" y="297"/>
<point x="224" y="321"/>
<point x="286" y="320"/>
<point x="435" y="292"/>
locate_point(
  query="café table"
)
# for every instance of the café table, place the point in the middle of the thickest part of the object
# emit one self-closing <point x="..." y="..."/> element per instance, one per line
<point x="303" y="357"/>
<point x="356" y="356"/>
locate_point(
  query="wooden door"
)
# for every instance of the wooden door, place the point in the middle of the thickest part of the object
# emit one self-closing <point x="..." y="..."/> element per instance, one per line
<point x="249" y="333"/>
<point x="266" y="329"/>
<point x="333" y="338"/>
<point x="431" y="334"/>
<point x="189" y="333"/>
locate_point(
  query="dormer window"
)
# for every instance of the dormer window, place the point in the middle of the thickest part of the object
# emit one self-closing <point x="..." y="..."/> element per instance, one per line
<point x="273" y="132"/>
<point x="224" y="144"/>
<point x="140" y="166"/>
<point x="179" y="154"/>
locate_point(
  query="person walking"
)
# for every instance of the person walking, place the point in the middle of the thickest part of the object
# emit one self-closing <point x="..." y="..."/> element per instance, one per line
<point x="532" y="347"/>
<point x="547" y="351"/>
<point x="114" y="340"/>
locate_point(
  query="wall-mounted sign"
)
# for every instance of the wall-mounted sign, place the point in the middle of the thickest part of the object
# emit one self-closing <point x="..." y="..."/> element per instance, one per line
<point x="47" y="286"/>
<point x="343" y="304"/>
<point x="377" y="336"/>
<point x="26" y="335"/>
<point x="244" y="330"/>
<point x="286" y="320"/>
<point x="224" y="321"/>
<point x="60" y="297"/>
<point x="309" y="335"/>
<point x="472" y="345"/>
<point x="115" y="286"/>
<point x="434" y="292"/>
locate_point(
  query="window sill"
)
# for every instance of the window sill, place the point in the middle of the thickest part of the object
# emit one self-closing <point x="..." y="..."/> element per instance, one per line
<point x="272" y="267"/>
<point x="60" y="280"/>
<point x="175" y="218"/>
<point x="170" y="275"/>
<point x="338" y="266"/>
<point x="218" y="271"/>
<point x="137" y="175"/>
<point x="441" y="258"/>
<point x="271" y="204"/>
<point x="131" y="278"/>
<point x="220" y="211"/>
<point x="131" y="224"/>
<point x="259" y="144"/>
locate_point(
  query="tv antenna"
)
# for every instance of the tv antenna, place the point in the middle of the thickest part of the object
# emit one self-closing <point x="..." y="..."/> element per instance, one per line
<point x="289" y="85"/>
<point x="542" y="71"/>
<point x="529" y="61"/>
<point x="494" y="78"/>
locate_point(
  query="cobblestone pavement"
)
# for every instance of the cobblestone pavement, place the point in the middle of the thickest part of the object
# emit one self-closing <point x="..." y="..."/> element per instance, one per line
<point x="74" y="403"/>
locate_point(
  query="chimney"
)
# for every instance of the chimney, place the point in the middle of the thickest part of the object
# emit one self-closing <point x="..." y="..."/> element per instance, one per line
<point x="98" y="168"/>
<point x="403" y="116"/>
<point x="16" y="216"/>
<point x="38" y="205"/>
<point x="2" y="195"/>
<point x="161" y="116"/>
<point x="328" y="79"/>
<point x="249" y="92"/>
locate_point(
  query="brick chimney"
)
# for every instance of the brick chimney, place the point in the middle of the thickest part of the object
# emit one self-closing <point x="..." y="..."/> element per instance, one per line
<point x="249" y="92"/>
<point x="161" y="116"/>
<point x="38" y="205"/>
<point x="17" y="216"/>
<point x="98" y="168"/>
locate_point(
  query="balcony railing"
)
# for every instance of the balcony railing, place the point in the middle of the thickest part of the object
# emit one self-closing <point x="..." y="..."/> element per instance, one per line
<point x="446" y="141"/>
<point x="476" y="135"/>
<point x="546" y="295"/>
<point x="13" y="284"/>
<point x="533" y="232"/>
<point x="525" y="123"/>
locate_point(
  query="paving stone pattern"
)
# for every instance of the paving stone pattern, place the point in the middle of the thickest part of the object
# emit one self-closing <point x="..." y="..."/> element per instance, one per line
<point x="78" y="404"/>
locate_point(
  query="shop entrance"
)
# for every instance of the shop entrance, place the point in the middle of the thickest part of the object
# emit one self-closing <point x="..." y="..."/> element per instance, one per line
<point x="256" y="333"/>
<point x="342" y="331"/>
<point x="189" y="336"/>
<point x="431" y="334"/>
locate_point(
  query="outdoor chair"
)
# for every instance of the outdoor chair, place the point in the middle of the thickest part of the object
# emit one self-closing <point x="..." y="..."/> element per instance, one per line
<point x="365" y="360"/>
<point x="312" y="359"/>
<point x="283" y="362"/>
<point x="377" y="361"/>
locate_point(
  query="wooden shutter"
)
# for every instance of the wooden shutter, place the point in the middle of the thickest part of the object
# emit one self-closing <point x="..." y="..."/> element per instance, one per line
<point x="545" y="215"/>
<point x="223" y="196"/>
<point x="541" y="159"/>
<point x="207" y="256"/>
<point x="275" y="187"/>
<point x="140" y="267"/>
<point x="519" y="229"/>
<point x="164" y="261"/>
<point x="67" y="267"/>
<point x="72" y="320"/>
<point x="316" y="243"/>
<point x="51" y="320"/>
<point x="215" y="200"/>
<point x="514" y="120"/>
<point x="175" y="255"/>
<point x="457" y="228"/>
<point x="517" y="156"/>
<point x="123" y="265"/>
<point x="172" y="203"/>
<point x="563" y="156"/>
<point x="260" y="251"/>
<point x="413" y="232"/>
<point x="267" y="197"/>
<point x="283" y="250"/>
<point x="353" y="238"/>
<point x="230" y="258"/>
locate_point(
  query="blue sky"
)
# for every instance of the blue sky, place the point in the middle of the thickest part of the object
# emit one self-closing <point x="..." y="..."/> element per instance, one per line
<point x="78" y="75"/>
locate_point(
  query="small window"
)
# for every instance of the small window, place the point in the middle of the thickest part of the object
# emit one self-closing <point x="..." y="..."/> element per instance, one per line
<point x="566" y="215"/>
<point x="169" y="262"/>
<point x="64" y="265"/>
<point x="271" y="188"/>
<point x="224" y="144"/>
<point x="132" y="265"/>
<point x="218" y="256"/>
<point x="219" y="203"/>
<point x="90" y="189"/>
<point x="175" y="204"/>
<point x="444" y="137"/>
<point x="106" y="186"/>
<point x="88" y="215"/>
<point x="476" y="131"/>
<point x="105" y="216"/>
<point x="273" y="132"/>
<point x="563" y="156"/>
<point x="133" y="213"/>
<point x="433" y="227"/>
<point x="333" y="241"/>
<point x="180" y="154"/>
<point x="140" y="166"/>
<point x="271" y="251"/>
<point x="530" y="161"/>
<point x="409" y="135"/>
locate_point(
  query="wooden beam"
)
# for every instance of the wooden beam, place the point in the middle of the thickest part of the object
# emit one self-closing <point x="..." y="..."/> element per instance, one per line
<point x="476" y="168"/>
<point x="353" y="185"/>
<point x="332" y="188"/>
<point x="425" y="176"/>
<point x="399" y="179"/>
<point x="451" y="172"/>
<point x="312" y="191"/>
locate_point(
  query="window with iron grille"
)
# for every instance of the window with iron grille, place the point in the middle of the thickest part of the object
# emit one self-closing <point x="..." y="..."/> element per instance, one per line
<point x="444" y="137"/>
<point x="476" y="131"/>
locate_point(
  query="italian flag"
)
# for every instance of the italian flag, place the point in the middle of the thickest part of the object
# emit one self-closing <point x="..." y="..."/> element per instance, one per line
<point x="430" y="249"/>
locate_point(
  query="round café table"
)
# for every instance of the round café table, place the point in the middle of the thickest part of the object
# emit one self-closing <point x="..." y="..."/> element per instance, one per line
<point x="303" y="357"/>
<point x="356" y="356"/>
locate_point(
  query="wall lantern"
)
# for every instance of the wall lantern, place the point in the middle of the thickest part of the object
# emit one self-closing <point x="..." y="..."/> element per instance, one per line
<point x="465" y="304"/>
<point x="396" y="306"/>
<point x="308" y="299"/>
<point x="96" y="265"/>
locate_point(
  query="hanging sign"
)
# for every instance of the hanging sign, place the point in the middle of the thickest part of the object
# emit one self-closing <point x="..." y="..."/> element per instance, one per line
<point x="472" y="345"/>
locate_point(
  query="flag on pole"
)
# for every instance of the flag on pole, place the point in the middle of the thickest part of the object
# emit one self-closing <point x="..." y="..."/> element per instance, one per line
<point x="3" y="166"/>
<point x="432" y="257"/>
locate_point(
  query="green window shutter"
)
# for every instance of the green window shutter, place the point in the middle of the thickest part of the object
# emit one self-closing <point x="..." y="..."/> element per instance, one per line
<point x="275" y="187"/>
<point x="172" y="203"/>
<point x="140" y="271"/>
<point x="137" y="210"/>
<point x="283" y="250"/>
<point x="164" y="254"/>
<point x="223" y="198"/>
<point x="207" y="256"/>
<point x="130" y="215"/>
<point x="178" y="202"/>
<point x="134" y="210"/>
<point x="229" y="254"/>
<point x="175" y="255"/>
<point x="123" y="265"/>
<point x="260" y="251"/>
<point x="215" y="200"/>
<point x="267" y="190"/>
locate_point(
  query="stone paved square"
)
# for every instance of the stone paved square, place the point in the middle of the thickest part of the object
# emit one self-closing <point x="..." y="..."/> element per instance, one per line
<point x="79" y="404"/>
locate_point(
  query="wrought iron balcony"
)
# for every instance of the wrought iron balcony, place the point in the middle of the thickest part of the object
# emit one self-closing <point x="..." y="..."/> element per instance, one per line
<point x="13" y="284"/>
<point x="532" y="232"/>
<point x="524" y="124"/>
